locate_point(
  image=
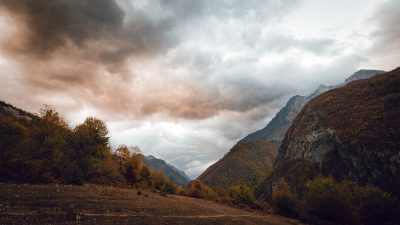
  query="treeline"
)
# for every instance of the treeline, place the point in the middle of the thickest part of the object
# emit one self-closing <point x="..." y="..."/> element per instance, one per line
<point x="326" y="201"/>
<point x="240" y="196"/>
<point x="44" y="149"/>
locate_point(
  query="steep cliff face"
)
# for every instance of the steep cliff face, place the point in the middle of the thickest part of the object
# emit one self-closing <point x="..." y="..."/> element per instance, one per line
<point x="350" y="132"/>
<point x="251" y="159"/>
<point x="276" y="129"/>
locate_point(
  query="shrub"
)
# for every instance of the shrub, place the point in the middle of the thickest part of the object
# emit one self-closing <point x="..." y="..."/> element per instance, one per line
<point x="378" y="207"/>
<point x="329" y="202"/>
<point x="241" y="194"/>
<point x="145" y="176"/>
<point x="170" y="188"/>
<point x="158" y="180"/>
<point x="283" y="199"/>
<point x="197" y="189"/>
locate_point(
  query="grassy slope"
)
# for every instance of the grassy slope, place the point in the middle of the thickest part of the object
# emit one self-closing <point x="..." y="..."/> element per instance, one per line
<point x="243" y="166"/>
<point x="91" y="204"/>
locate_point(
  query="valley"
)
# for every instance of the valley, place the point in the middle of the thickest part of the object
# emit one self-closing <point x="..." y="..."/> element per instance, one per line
<point x="93" y="204"/>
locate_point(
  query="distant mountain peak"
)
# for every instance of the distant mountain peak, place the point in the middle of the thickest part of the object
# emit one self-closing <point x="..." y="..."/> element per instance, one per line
<point x="257" y="151"/>
<point x="151" y="157"/>
<point x="321" y="89"/>
<point x="363" y="74"/>
<point x="177" y="176"/>
<point x="324" y="140"/>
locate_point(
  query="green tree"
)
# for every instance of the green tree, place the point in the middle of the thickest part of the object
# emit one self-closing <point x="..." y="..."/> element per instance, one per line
<point x="242" y="194"/>
<point x="158" y="180"/>
<point x="91" y="145"/>
<point x="47" y="147"/>
<point x="145" y="176"/>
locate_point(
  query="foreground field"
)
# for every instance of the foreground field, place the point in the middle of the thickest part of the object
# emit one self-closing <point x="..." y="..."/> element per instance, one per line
<point x="92" y="204"/>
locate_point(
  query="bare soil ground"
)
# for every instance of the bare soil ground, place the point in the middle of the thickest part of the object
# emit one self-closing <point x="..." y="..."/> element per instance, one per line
<point x="93" y="204"/>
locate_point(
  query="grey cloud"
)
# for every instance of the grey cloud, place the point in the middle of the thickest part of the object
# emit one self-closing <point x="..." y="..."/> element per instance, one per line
<point x="51" y="24"/>
<point x="99" y="26"/>
<point x="386" y="37"/>
<point x="91" y="42"/>
<point x="279" y="43"/>
<point x="194" y="63"/>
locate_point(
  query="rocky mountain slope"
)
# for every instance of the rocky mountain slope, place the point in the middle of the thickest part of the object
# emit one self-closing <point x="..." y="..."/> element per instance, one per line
<point x="251" y="159"/>
<point x="351" y="132"/>
<point x="175" y="175"/>
<point x="363" y="74"/>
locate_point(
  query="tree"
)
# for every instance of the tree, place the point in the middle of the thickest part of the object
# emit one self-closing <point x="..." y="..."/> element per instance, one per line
<point x="158" y="180"/>
<point x="133" y="168"/>
<point x="48" y="148"/>
<point x="145" y="176"/>
<point x="242" y="194"/>
<point x="91" y="145"/>
<point x="329" y="201"/>
<point x="197" y="189"/>
<point x="170" y="187"/>
<point x="283" y="198"/>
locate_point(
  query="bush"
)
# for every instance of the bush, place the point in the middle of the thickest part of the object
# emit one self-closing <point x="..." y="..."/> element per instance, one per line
<point x="330" y="207"/>
<point x="241" y="194"/>
<point x="145" y="176"/>
<point x="170" y="188"/>
<point x="283" y="199"/>
<point x="378" y="207"/>
<point x="197" y="189"/>
<point x="158" y="180"/>
<point x="328" y="202"/>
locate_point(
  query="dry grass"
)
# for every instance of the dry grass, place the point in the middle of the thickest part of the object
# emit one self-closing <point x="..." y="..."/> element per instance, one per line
<point x="92" y="204"/>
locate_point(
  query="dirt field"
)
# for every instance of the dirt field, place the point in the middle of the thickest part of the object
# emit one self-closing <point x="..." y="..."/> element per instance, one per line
<point x="91" y="204"/>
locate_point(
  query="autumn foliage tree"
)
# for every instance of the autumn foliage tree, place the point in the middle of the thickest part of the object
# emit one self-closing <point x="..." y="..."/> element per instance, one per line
<point x="241" y="194"/>
<point x="197" y="189"/>
<point x="42" y="148"/>
<point x="91" y="145"/>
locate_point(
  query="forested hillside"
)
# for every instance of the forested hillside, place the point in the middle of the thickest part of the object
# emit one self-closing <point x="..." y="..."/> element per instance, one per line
<point x="43" y="148"/>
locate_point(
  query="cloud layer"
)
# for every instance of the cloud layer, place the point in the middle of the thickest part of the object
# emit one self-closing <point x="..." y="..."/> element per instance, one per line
<point x="184" y="79"/>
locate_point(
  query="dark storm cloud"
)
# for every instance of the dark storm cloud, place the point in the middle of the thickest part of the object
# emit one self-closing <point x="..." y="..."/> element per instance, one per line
<point x="81" y="48"/>
<point x="98" y="26"/>
<point x="51" y="24"/>
<point x="213" y="71"/>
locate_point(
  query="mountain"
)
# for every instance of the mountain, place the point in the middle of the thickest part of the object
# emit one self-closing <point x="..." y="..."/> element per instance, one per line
<point x="363" y="74"/>
<point x="252" y="158"/>
<point x="351" y="132"/>
<point x="11" y="111"/>
<point x="175" y="175"/>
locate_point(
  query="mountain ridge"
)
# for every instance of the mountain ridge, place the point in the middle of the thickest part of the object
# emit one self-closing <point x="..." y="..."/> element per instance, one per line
<point x="335" y="135"/>
<point x="171" y="172"/>
<point x="253" y="156"/>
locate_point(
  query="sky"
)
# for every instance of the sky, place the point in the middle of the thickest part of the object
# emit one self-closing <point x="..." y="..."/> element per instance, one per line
<point x="182" y="79"/>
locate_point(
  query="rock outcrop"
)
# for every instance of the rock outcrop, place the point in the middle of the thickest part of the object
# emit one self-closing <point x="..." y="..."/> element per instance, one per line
<point x="351" y="132"/>
<point x="252" y="158"/>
